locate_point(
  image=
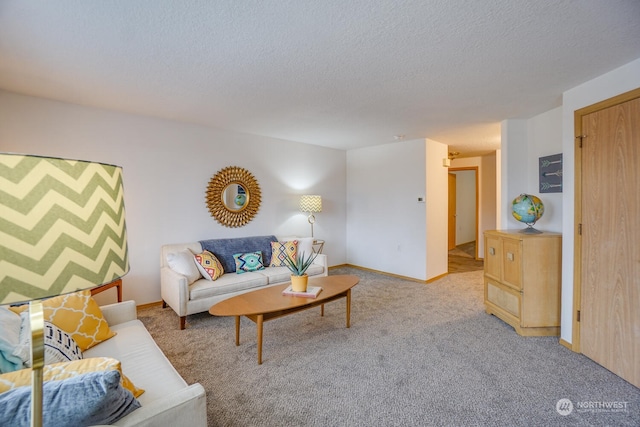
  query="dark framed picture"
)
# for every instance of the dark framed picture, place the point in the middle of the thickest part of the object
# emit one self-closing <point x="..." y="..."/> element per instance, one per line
<point x="550" y="174"/>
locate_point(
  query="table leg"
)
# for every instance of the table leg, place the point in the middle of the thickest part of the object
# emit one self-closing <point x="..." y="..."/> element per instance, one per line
<point x="349" y="308"/>
<point x="322" y="310"/>
<point x="237" y="330"/>
<point x="259" y="327"/>
<point x="119" y="291"/>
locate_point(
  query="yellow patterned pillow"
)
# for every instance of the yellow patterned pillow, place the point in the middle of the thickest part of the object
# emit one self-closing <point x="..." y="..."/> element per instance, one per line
<point x="64" y="370"/>
<point x="77" y="314"/>
<point x="280" y="250"/>
<point x="209" y="266"/>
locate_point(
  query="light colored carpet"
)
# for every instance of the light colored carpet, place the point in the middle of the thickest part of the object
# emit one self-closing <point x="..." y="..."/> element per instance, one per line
<point x="415" y="355"/>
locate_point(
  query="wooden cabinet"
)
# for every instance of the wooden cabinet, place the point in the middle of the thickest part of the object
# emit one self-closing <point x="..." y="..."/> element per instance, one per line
<point x="522" y="279"/>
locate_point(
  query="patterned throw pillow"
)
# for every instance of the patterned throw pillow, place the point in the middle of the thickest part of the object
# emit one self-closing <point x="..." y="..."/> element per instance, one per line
<point x="251" y="261"/>
<point x="280" y="250"/>
<point x="62" y="371"/>
<point x="79" y="315"/>
<point x="59" y="346"/>
<point x="209" y="266"/>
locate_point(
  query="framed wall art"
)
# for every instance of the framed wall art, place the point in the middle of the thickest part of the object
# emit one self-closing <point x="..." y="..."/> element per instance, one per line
<point x="550" y="171"/>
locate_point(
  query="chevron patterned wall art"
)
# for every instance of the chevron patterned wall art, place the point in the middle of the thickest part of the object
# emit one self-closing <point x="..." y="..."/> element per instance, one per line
<point x="62" y="226"/>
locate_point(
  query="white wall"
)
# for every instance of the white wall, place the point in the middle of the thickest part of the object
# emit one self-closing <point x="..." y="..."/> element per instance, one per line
<point x="544" y="139"/>
<point x="437" y="209"/>
<point x="606" y="86"/>
<point x="524" y="142"/>
<point x="487" y="192"/>
<point x="385" y="223"/>
<point x="167" y="166"/>
<point x="515" y="167"/>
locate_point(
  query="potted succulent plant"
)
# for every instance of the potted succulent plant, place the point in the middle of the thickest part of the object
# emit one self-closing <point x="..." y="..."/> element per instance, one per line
<point x="298" y="267"/>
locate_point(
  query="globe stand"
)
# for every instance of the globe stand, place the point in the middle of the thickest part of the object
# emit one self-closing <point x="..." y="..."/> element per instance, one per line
<point x="530" y="229"/>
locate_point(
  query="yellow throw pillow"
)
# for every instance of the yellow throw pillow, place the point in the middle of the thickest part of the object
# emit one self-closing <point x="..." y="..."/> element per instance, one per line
<point x="64" y="370"/>
<point x="77" y="314"/>
<point x="280" y="250"/>
<point x="209" y="266"/>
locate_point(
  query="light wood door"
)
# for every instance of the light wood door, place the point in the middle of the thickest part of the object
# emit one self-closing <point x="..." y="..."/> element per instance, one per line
<point x="610" y="248"/>
<point x="452" y="211"/>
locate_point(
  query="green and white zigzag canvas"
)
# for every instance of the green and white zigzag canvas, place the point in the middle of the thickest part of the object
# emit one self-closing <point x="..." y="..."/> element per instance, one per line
<point x="62" y="226"/>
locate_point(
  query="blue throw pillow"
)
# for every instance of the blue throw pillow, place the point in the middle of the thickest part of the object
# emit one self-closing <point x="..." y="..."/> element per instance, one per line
<point x="251" y="261"/>
<point x="88" y="399"/>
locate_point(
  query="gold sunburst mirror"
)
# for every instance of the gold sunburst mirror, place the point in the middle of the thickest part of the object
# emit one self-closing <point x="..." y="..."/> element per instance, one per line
<point x="233" y="196"/>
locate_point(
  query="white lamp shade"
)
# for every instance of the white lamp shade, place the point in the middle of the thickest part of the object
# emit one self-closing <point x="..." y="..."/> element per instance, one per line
<point x="62" y="226"/>
<point x="311" y="203"/>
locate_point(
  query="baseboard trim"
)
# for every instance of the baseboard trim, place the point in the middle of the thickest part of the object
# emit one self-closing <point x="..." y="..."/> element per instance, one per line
<point x="433" y="279"/>
<point x="566" y="344"/>
<point x="150" y="304"/>
<point x="412" y="279"/>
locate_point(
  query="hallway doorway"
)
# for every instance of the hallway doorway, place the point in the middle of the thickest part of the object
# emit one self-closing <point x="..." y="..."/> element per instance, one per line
<point x="463" y="220"/>
<point x="462" y="258"/>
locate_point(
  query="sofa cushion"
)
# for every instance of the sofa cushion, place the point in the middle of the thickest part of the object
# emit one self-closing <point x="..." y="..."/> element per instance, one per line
<point x="224" y="249"/>
<point x="281" y="250"/>
<point x="209" y="265"/>
<point x="141" y="360"/>
<point x="227" y="283"/>
<point x="182" y="262"/>
<point x="247" y="262"/>
<point x="277" y="274"/>
<point x="88" y="399"/>
<point x="78" y="314"/>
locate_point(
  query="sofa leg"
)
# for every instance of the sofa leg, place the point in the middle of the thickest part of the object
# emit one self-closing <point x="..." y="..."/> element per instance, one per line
<point x="164" y="304"/>
<point x="183" y="321"/>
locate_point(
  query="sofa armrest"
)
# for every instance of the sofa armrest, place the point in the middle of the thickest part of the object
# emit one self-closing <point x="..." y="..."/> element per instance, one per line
<point x="185" y="407"/>
<point x="119" y="312"/>
<point x="321" y="259"/>
<point x="174" y="290"/>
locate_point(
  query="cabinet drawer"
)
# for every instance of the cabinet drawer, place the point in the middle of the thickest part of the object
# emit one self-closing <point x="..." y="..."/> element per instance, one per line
<point x="503" y="297"/>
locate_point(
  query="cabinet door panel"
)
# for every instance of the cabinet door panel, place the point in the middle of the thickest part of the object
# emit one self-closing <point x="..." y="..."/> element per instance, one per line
<point x="493" y="257"/>
<point x="512" y="262"/>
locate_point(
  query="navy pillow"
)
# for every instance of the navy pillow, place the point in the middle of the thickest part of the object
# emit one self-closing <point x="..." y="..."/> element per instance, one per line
<point x="88" y="399"/>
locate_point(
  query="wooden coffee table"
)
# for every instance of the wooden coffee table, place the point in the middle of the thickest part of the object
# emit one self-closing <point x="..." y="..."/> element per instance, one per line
<point x="269" y="303"/>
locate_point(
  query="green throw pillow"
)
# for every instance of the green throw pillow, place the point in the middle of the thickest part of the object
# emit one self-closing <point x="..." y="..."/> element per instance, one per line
<point x="251" y="261"/>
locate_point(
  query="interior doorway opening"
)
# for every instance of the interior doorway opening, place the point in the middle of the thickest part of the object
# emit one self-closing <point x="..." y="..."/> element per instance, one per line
<point x="463" y="220"/>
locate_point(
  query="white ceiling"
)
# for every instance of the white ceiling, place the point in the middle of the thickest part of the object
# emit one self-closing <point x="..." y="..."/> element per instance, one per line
<point x="336" y="73"/>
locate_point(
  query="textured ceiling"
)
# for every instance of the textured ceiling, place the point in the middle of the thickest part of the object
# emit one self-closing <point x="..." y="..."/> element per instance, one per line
<point x="342" y="74"/>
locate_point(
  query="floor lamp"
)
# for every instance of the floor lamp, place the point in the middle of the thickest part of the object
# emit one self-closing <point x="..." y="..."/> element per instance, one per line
<point x="311" y="204"/>
<point x="62" y="229"/>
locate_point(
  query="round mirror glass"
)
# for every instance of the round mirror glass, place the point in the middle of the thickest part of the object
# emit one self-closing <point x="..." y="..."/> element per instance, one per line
<point x="235" y="197"/>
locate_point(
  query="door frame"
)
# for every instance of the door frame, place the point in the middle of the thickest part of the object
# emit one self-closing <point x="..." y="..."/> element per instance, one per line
<point x="451" y="231"/>
<point x="577" y="240"/>
<point x="475" y="169"/>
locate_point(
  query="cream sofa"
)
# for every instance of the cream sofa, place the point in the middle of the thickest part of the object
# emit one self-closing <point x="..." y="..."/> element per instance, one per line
<point x="168" y="400"/>
<point x="188" y="293"/>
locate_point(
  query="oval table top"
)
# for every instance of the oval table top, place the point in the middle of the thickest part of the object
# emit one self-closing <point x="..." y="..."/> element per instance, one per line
<point x="271" y="299"/>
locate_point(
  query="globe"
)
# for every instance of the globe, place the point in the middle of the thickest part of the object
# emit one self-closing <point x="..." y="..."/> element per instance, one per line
<point x="527" y="209"/>
<point x="240" y="199"/>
